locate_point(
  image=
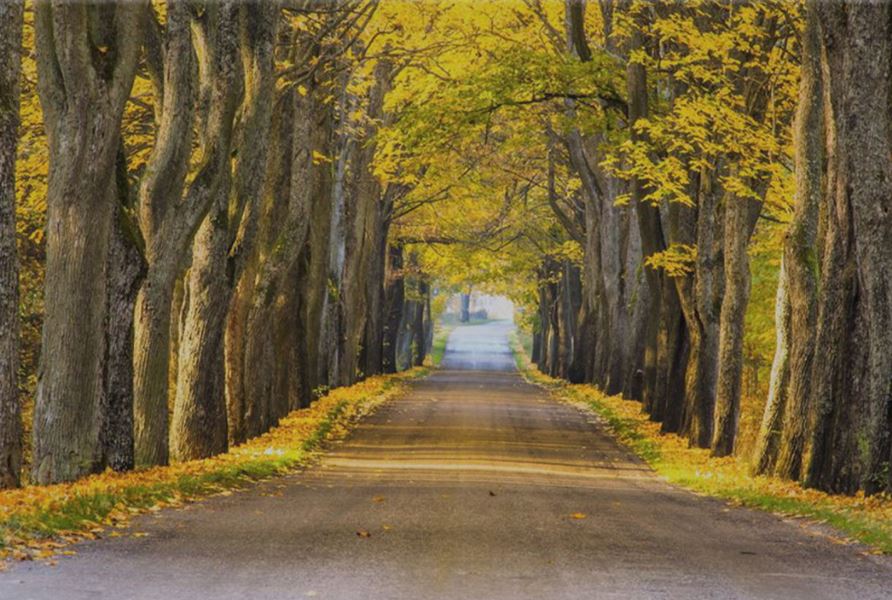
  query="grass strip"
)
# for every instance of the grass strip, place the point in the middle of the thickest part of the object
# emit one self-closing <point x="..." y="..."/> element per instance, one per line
<point x="438" y="347"/>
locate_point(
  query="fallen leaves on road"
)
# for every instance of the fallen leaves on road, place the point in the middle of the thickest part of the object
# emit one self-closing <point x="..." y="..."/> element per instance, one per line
<point x="578" y="515"/>
<point x="363" y="533"/>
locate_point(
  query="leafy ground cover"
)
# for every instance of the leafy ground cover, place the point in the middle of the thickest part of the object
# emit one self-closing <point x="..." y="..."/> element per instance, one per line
<point x="39" y="522"/>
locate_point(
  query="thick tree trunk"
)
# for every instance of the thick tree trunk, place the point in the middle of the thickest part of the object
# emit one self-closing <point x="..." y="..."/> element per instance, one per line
<point x="10" y="404"/>
<point x="82" y="111"/>
<point x="257" y="36"/>
<point x="373" y="345"/>
<point x="784" y="424"/>
<point x="278" y="375"/>
<point x="394" y="300"/>
<point x="740" y="220"/>
<point x="334" y="327"/>
<point x="198" y="426"/>
<point x="126" y="269"/>
<point x="661" y="335"/>
<point x="226" y="238"/>
<point x="702" y="308"/>
<point x="848" y="445"/>
<point x="317" y="289"/>
<point x="168" y="221"/>
<point x="672" y="359"/>
<point x="361" y="205"/>
<point x="377" y="320"/>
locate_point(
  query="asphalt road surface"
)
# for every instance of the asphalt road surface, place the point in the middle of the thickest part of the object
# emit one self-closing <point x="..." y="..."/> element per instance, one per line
<point x="473" y="486"/>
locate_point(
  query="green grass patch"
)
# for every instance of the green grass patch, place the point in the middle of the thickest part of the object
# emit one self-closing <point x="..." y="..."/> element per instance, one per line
<point x="438" y="348"/>
<point x="865" y="519"/>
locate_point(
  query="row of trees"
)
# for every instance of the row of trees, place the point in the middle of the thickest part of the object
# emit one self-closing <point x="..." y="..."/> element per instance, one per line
<point x="216" y="243"/>
<point x="243" y="200"/>
<point x="634" y="174"/>
<point x="708" y="113"/>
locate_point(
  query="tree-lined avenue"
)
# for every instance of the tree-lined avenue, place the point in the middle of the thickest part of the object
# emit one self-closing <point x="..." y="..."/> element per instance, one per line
<point x="475" y="484"/>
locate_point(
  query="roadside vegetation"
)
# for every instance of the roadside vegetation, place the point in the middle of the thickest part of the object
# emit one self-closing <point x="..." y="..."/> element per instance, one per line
<point x="38" y="522"/>
<point x="867" y="519"/>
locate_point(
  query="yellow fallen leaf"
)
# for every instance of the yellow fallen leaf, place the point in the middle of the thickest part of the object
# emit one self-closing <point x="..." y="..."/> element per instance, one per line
<point x="578" y="515"/>
<point x="363" y="533"/>
<point x="378" y="499"/>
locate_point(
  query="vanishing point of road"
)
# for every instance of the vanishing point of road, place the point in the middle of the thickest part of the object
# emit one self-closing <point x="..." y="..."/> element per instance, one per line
<point x="474" y="485"/>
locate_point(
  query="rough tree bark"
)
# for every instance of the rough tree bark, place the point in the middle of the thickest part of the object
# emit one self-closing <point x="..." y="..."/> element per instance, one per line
<point x="394" y="297"/>
<point x="168" y="221"/>
<point x="169" y="216"/>
<point x="281" y="382"/>
<point x="848" y="443"/>
<point x="612" y="251"/>
<point x="126" y="269"/>
<point x="701" y="304"/>
<point x="377" y="280"/>
<point x="225" y="238"/>
<point x="362" y="191"/>
<point x="785" y="421"/>
<point x="316" y="287"/>
<point x="83" y="100"/>
<point x="420" y="324"/>
<point x="10" y="404"/>
<point x="662" y="338"/>
<point x="740" y="220"/>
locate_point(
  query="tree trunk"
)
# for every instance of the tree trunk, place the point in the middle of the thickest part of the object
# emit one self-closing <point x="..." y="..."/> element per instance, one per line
<point x="126" y="269"/>
<point x="784" y="425"/>
<point x="373" y="345"/>
<point x="168" y="220"/>
<point x="740" y="220"/>
<point x="334" y="326"/>
<point x="703" y="315"/>
<point x="279" y="375"/>
<point x="226" y="238"/>
<point x="420" y="326"/>
<point x="198" y="426"/>
<point x="82" y="107"/>
<point x="465" y="314"/>
<point x="257" y="37"/>
<point x="394" y="300"/>
<point x="10" y="404"/>
<point x="848" y="445"/>
<point x="363" y="193"/>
